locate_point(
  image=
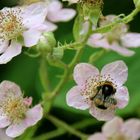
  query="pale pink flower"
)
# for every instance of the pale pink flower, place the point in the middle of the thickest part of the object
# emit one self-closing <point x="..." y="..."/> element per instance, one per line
<point x="20" y="27"/>
<point x="56" y="13"/>
<point x="117" y="129"/>
<point x="15" y="112"/>
<point x="118" y="39"/>
<point x="100" y="92"/>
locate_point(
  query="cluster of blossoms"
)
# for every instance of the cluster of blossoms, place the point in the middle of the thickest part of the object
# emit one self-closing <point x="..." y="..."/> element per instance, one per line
<point x="102" y="92"/>
<point x="23" y="26"/>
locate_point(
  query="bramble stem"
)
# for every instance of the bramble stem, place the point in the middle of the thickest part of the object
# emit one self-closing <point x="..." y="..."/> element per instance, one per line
<point x="65" y="126"/>
<point x="43" y="74"/>
<point x="60" y="131"/>
<point x="124" y="20"/>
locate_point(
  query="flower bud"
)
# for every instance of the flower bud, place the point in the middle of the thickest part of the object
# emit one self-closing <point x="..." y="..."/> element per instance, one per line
<point x="46" y="43"/>
<point x="137" y="3"/>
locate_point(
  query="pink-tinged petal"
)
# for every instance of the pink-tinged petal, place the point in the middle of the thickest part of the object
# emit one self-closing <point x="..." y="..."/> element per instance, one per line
<point x="75" y="99"/>
<point x="121" y="50"/>
<point x="6" y="87"/>
<point x="56" y="4"/>
<point x="83" y="71"/>
<point x="131" y="40"/>
<point x="4" y="121"/>
<point x="62" y="15"/>
<point x="31" y="37"/>
<point x="97" y="136"/>
<point x="102" y="115"/>
<point x="3" y="135"/>
<point x="131" y="129"/>
<point x="49" y="27"/>
<point x="117" y="71"/>
<point x="13" y="50"/>
<point x="122" y="97"/>
<point x="98" y="41"/>
<point x="3" y="46"/>
<point x="28" y="101"/>
<point x="34" y="14"/>
<point x="15" y="130"/>
<point x="33" y="115"/>
<point x="112" y="127"/>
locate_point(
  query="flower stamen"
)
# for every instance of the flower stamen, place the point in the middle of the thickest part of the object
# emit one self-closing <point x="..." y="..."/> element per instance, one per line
<point x="11" y="25"/>
<point x="14" y="108"/>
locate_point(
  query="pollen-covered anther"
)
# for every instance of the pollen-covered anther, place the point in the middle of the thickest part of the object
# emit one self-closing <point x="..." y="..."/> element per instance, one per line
<point x="14" y="108"/>
<point x="11" y="25"/>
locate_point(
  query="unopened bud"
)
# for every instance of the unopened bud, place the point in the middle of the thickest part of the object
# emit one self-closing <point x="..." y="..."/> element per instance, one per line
<point x="46" y="43"/>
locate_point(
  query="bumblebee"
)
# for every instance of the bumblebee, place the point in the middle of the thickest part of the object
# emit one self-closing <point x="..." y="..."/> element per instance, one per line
<point x="104" y="97"/>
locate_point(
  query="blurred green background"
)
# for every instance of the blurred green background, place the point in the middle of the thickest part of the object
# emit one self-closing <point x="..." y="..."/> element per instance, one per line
<point x="24" y="71"/>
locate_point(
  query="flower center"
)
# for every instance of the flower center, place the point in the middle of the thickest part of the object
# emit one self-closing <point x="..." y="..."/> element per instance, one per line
<point x="116" y="33"/>
<point x="14" y="108"/>
<point x="11" y="25"/>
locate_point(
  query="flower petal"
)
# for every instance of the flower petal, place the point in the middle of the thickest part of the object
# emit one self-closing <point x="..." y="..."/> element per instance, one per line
<point x="49" y="27"/>
<point x="97" y="136"/>
<point x="112" y="127"/>
<point x="117" y="72"/>
<point x="6" y="87"/>
<point x="131" y="40"/>
<point x="3" y="46"/>
<point x="15" y="130"/>
<point x="75" y="99"/>
<point x="13" y="50"/>
<point x="121" y="50"/>
<point x="3" y="136"/>
<point x="31" y="37"/>
<point x="34" y="14"/>
<point x="55" y="3"/>
<point x="98" y="41"/>
<point x="62" y="15"/>
<point x="83" y="71"/>
<point x="131" y="129"/>
<point x="102" y="115"/>
<point x="33" y="115"/>
<point x="4" y="121"/>
<point x="122" y="97"/>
